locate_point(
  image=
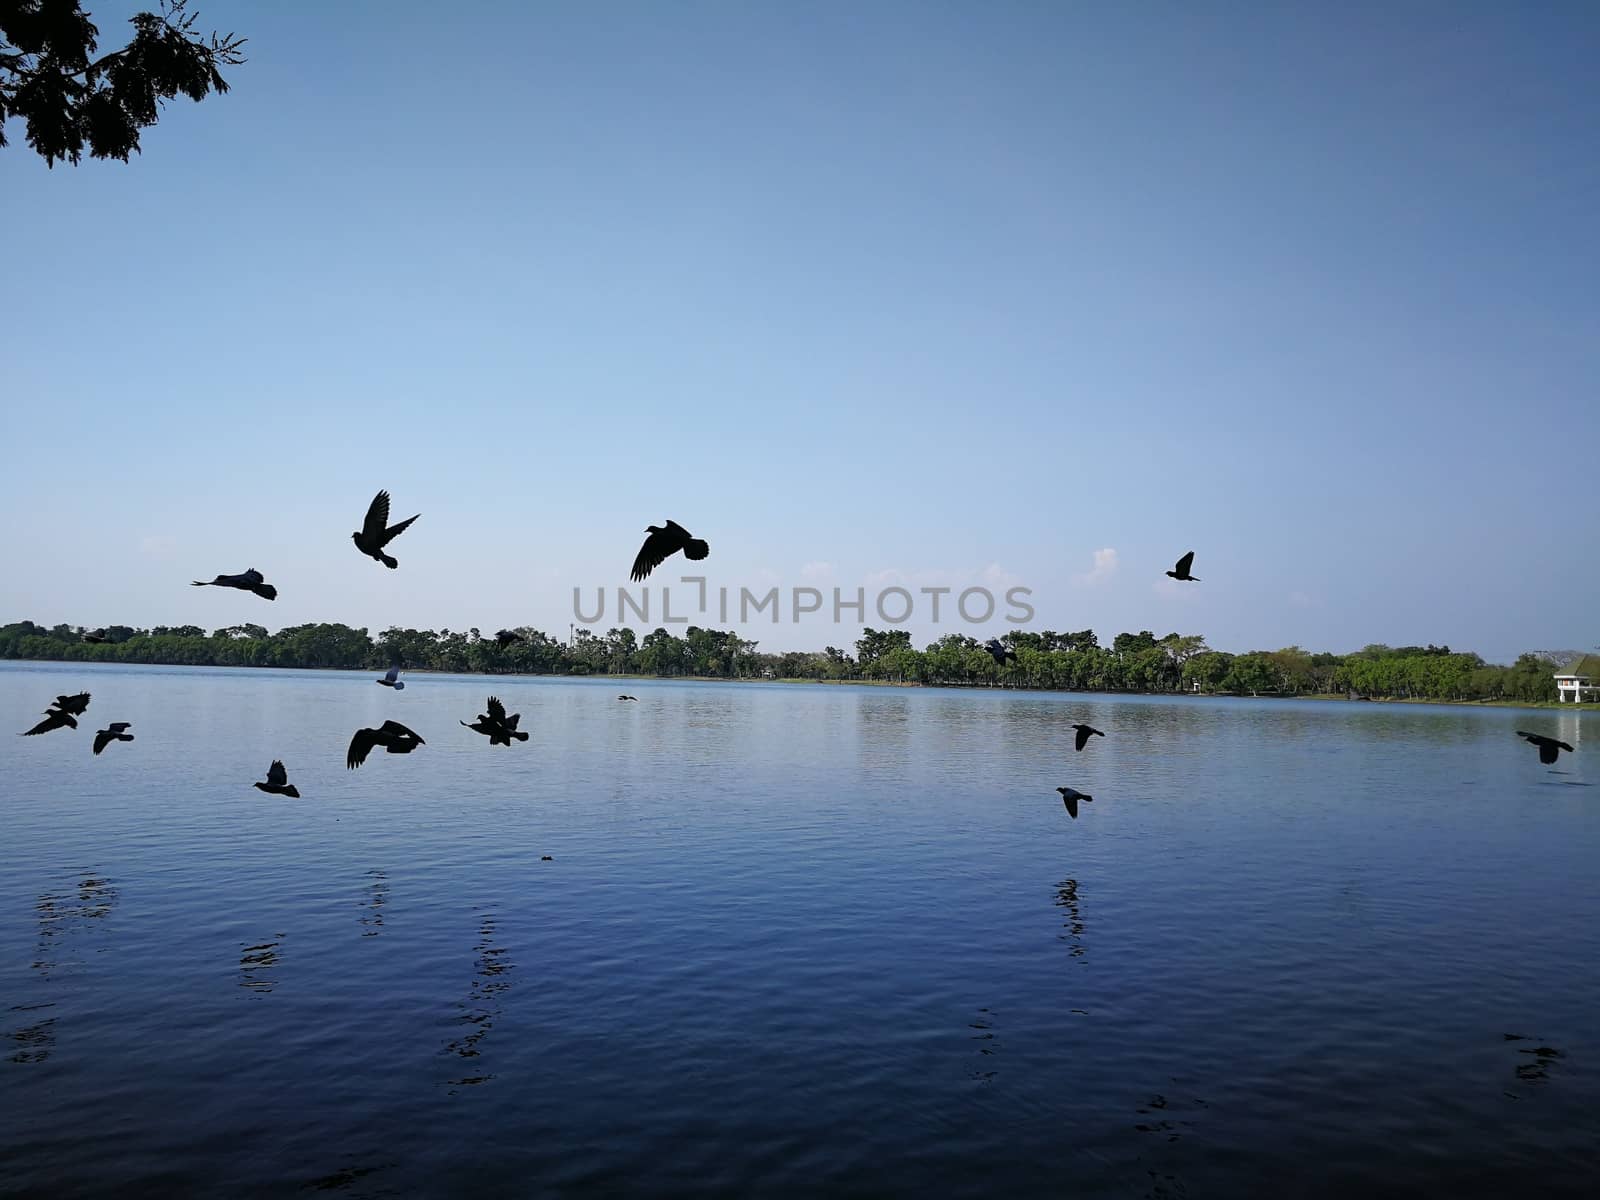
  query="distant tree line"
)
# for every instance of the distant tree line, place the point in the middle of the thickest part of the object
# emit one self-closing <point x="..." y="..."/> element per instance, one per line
<point x="1133" y="662"/>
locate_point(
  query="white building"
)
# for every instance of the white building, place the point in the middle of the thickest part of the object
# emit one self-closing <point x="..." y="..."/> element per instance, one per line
<point x="1579" y="680"/>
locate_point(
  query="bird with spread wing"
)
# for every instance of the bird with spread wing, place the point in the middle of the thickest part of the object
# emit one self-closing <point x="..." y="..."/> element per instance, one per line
<point x="376" y="532"/>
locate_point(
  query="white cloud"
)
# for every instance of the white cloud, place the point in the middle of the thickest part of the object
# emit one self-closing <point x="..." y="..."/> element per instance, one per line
<point x="1105" y="566"/>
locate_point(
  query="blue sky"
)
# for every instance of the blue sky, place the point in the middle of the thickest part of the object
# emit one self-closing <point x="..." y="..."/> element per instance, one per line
<point x="923" y="292"/>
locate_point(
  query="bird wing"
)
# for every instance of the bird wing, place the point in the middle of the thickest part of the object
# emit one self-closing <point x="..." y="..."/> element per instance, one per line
<point x="277" y="776"/>
<point x="497" y="711"/>
<point x="52" y="720"/>
<point x="1083" y="736"/>
<point x="73" y="704"/>
<point x="1185" y="563"/>
<point x="251" y="577"/>
<point x="102" y="739"/>
<point x="119" y="726"/>
<point x="395" y="531"/>
<point x="511" y="721"/>
<point x="656" y="549"/>
<point x="377" y="519"/>
<point x="360" y="746"/>
<point x="392" y="674"/>
<point x="1548" y="751"/>
<point x="394" y="728"/>
<point x="1071" y="803"/>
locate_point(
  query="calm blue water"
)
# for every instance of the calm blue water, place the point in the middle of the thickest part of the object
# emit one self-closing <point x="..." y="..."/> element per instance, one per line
<point x="792" y="941"/>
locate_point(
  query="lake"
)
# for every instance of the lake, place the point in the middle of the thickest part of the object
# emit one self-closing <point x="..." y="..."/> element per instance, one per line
<point x="791" y="941"/>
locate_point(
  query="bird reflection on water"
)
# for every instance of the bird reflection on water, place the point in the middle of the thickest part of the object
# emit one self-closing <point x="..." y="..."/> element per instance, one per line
<point x="1067" y="898"/>
<point x="483" y="1003"/>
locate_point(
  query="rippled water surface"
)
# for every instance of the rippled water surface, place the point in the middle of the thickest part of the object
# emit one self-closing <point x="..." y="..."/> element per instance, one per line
<point x="791" y="940"/>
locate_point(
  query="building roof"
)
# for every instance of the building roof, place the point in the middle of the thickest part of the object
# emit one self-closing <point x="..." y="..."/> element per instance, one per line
<point x="1588" y="665"/>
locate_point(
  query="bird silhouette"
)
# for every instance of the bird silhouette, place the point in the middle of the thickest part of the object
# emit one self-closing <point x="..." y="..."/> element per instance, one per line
<point x="251" y="581"/>
<point x="1549" y="748"/>
<point x="391" y="678"/>
<point x="1070" y="798"/>
<point x="391" y="735"/>
<point x="1085" y="732"/>
<point x="1181" y="573"/>
<point x="61" y="713"/>
<point x="1000" y="654"/>
<point x="627" y="697"/>
<point x="113" y="733"/>
<point x="94" y="636"/>
<point x="505" y="638"/>
<point x="499" y="728"/>
<point x="278" y="779"/>
<point x="663" y="542"/>
<point x="376" y="532"/>
<point x="54" y="718"/>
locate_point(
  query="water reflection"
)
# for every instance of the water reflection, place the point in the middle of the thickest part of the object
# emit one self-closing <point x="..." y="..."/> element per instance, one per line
<point x="988" y="1043"/>
<point x="1067" y="898"/>
<point x="1534" y="1062"/>
<point x="482" y="1005"/>
<point x="377" y="895"/>
<point x="65" y="917"/>
<point x="256" y="961"/>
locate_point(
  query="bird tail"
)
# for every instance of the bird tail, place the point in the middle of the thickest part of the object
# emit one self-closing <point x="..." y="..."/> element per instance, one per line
<point x="266" y="591"/>
<point x="291" y="790"/>
<point x="398" y="686"/>
<point x="391" y="563"/>
<point x="519" y="735"/>
<point x="124" y="737"/>
<point x="200" y="583"/>
<point x="696" y="549"/>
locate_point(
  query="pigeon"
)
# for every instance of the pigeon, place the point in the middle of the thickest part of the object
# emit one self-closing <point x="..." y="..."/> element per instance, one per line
<point x="1085" y="732"/>
<point x="662" y="544"/>
<point x="60" y="714"/>
<point x="376" y="532"/>
<point x="1549" y="748"/>
<point x="627" y="697"/>
<point x="114" y="733"/>
<point x="251" y="581"/>
<point x="499" y="728"/>
<point x="391" y="678"/>
<point x="54" y="718"/>
<point x="505" y="637"/>
<point x="278" y="779"/>
<point x="1070" y="798"/>
<point x="1181" y="574"/>
<point x="1000" y="654"/>
<point x="391" y="735"/>
<point x="94" y="636"/>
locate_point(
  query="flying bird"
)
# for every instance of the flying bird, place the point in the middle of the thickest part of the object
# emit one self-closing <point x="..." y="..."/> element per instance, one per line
<point x="54" y="718"/>
<point x="60" y="714"/>
<point x="1070" y="798"/>
<point x="94" y="635"/>
<point x="1000" y="654"/>
<point x="251" y="581"/>
<point x="1549" y="748"/>
<point x="627" y="697"/>
<point x="391" y="735"/>
<point x="391" y="678"/>
<point x="115" y="733"/>
<point x="1182" y="572"/>
<point x="376" y="532"/>
<point x="505" y="637"/>
<point x="664" y="542"/>
<point x="499" y="728"/>
<point x="1085" y="732"/>
<point x="278" y="779"/>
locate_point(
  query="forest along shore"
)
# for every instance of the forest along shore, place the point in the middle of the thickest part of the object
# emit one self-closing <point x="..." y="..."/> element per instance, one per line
<point x="1139" y="663"/>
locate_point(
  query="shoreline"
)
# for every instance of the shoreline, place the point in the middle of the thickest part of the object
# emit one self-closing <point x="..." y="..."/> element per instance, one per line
<point x="1534" y="705"/>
